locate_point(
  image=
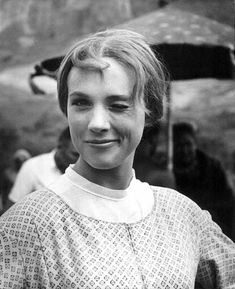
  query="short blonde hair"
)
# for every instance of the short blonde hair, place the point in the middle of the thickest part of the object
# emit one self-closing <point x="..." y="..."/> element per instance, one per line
<point x="129" y="49"/>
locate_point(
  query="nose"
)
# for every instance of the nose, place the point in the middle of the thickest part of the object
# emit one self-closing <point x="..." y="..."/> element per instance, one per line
<point x="99" y="120"/>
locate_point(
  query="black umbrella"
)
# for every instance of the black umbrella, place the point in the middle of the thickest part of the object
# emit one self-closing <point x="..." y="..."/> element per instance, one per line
<point x="191" y="46"/>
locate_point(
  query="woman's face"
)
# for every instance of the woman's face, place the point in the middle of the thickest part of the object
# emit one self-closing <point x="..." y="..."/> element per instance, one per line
<point x="106" y="124"/>
<point x="184" y="150"/>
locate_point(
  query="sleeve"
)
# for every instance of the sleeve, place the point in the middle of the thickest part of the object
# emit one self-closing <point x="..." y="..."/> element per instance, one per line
<point x="11" y="264"/>
<point x="22" y="263"/>
<point x="24" y="183"/>
<point x="216" y="267"/>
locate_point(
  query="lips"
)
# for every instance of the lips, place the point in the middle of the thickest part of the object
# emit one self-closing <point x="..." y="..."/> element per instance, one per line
<point x="103" y="141"/>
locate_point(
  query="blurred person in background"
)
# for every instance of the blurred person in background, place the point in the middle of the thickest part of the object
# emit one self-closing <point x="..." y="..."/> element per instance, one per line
<point x="150" y="159"/>
<point x="202" y="177"/>
<point x="232" y="172"/>
<point x="42" y="170"/>
<point x="144" y="163"/>
<point x="10" y="174"/>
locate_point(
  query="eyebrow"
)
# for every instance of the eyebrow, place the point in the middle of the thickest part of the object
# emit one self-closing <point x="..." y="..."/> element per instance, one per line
<point x="78" y="93"/>
<point x="119" y="97"/>
<point x="109" y="97"/>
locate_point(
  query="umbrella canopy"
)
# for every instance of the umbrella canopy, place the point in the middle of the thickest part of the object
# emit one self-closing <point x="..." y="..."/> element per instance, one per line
<point x="191" y="46"/>
<point x="170" y="25"/>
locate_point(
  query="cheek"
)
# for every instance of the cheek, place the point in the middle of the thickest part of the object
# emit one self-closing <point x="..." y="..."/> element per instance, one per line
<point x="137" y="127"/>
<point x="76" y="121"/>
<point x="75" y="126"/>
<point x="140" y="120"/>
<point x="71" y="123"/>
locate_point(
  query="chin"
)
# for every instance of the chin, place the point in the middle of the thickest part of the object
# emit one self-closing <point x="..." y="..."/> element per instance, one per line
<point x="104" y="165"/>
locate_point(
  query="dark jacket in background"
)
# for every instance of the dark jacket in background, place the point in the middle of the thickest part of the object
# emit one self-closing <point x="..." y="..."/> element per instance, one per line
<point x="208" y="185"/>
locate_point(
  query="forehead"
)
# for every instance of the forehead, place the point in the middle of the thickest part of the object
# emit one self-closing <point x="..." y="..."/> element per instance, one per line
<point x="109" y="74"/>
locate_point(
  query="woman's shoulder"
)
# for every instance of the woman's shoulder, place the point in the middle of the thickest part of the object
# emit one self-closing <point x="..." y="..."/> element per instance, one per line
<point x="177" y="205"/>
<point x="36" y="207"/>
<point x="169" y="194"/>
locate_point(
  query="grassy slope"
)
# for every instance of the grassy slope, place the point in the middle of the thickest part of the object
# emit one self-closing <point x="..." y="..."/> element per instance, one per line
<point x="37" y="119"/>
<point x="210" y="104"/>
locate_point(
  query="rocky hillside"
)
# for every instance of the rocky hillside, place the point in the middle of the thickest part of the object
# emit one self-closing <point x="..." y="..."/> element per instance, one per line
<point x="31" y="30"/>
<point x="30" y="27"/>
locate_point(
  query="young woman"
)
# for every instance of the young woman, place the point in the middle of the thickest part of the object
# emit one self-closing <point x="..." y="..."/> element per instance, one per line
<point x="98" y="226"/>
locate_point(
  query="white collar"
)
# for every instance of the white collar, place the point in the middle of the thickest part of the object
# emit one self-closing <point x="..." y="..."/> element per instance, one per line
<point x="97" y="190"/>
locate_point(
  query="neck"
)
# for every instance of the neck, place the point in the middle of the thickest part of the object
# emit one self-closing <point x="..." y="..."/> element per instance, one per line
<point x="117" y="178"/>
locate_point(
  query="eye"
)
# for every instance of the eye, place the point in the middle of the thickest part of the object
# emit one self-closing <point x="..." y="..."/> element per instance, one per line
<point x="81" y="103"/>
<point x="119" y="107"/>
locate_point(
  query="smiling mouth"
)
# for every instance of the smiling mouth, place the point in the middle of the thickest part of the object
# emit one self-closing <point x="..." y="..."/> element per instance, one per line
<point x="101" y="142"/>
<point x="105" y="144"/>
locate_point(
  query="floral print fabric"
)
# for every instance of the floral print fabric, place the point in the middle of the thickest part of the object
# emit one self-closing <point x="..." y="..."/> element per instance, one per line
<point x="45" y="244"/>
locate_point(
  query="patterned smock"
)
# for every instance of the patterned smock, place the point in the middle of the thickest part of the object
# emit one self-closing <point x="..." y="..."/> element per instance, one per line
<point x="45" y="244"/>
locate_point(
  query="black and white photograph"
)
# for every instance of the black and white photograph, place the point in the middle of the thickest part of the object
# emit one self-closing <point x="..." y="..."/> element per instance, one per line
<point x="117" y="144"/>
